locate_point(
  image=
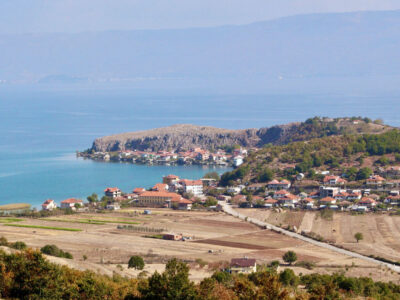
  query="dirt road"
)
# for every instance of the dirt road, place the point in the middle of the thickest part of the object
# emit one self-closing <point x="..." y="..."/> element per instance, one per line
<point x="229" y="210"/>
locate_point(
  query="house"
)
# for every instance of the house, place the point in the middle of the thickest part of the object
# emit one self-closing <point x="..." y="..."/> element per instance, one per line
<point x="281" y="194"/>
<point x="233" y="190"/>
<point x="154" y="198"/>
<point x="367" y="202"/>
<point x="185" y="204"/>
<point x="392" y="200"/>
<point x="375" y="180"/>
<point x="49" y="205"/>
<point x="341" y="196"/>
<point x="113" y="206"/>
<point x="237" y="160"/>
<point x="160" y="187"/>
<point x="172" y="237"/>
<point x="70" y="203"/>
<point x="243" y="265"/>
<point x="333" y="180"/>
<point x="325" y="191"/>
<point x="139" y="191"/>
<point x="270" y="203"/>
<point x="327" y="201"/>
<point x="194" y="187"/>
<point x="255" y="187"/>
<point x="112" y="192"/>
<point x="307" y="203"/>
<point x="276" y="185"/>
<point x="238" y="199"/>
<point x="353" y="196"/>
<point x="288" y="200"/>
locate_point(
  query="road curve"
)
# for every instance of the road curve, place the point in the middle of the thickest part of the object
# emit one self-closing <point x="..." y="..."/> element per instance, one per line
<point x="229" y="210"/>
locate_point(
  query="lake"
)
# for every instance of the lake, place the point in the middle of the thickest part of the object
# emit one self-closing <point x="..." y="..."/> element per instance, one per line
<point x="41" y="129"/>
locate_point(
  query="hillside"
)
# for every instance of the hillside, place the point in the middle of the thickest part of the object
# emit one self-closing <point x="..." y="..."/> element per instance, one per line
<point x="185" y="136"/>
<point x="341" y="153"/>
<point x="306" y="46"/>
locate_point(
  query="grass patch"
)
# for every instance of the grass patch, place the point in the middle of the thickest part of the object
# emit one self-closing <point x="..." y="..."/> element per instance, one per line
<point x="44" y="227"/>
<point x="10" y="220"/>
<point x="115" y="222"/>
<point x="154" y="236"/>
<point x="83" y="221"/>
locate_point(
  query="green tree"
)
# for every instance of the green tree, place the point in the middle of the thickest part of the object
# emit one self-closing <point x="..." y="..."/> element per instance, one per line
<point x="136" y="262"/>
<point x="19" y="245"/>
<point x="358" y="236"/>
<point x="289" y="257"/>
<point x="287" y="277"/>
<point x="173" y="283"/>
<point x="265" y="175"/>
<point x="210" y="201"/>
<point x="212" y="175"/>
<point x="364" y="173"/>
<point x="93" y="198"/>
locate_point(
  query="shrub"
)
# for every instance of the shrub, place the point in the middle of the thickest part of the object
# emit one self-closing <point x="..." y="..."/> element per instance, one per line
<point x="289" y="257"/>
<point x="19" y="245"/>
<point x="287" y="277"/>
<point x="53" y="250"/>
<point x="136" y="262"/>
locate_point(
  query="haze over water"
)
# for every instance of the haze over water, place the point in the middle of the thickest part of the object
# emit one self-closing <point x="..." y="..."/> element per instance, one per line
<point x="40" y="132"/>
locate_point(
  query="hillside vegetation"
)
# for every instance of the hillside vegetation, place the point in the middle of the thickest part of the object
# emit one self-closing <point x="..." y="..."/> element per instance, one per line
<point x="28" y="275"/>
<point x="333" y="152"/>
<point x="186" y="136"/>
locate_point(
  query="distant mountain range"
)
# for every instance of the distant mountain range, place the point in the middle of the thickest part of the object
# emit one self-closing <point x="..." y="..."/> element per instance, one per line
<point x="186" y="136"/>
<point x="305" y="46"/>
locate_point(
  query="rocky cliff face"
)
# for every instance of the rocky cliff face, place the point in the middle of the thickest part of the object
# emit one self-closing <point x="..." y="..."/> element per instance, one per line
<point x="186" y="136"/>
<point x="180" y="137"/>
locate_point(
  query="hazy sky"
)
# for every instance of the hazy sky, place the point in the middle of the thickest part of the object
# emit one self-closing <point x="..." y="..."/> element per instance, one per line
<point x="21" y="16"/>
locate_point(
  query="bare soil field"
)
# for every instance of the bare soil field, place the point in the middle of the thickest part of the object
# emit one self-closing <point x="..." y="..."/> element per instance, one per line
<point x="216" y="238"/>
<point x="381" y="232"/>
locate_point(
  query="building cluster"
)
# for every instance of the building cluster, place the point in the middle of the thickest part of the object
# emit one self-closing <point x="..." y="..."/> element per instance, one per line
<point x="71" y="203"/>
<point x="332" y="194"/>
<point x="193" y="156"/>
<point x="168" y="194"/>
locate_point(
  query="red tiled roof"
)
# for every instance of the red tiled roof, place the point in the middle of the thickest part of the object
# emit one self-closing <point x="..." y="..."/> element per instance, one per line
<point x="139" y="190"/>
<point x="188" y="182"/>
<point x="48" y="201"/>
<point x="271" y="201"/>
<point x="172" y="196"/>
<point x="111" y="189"/>
<point x="185" y="201"/>
<point x="72" y="200"/>
<point x="171" y="176"/>
<point x="243" y="262"/>
<point x="160" y="187"/>
<point x="282" y="192"/>
<point x="327" y="199"/>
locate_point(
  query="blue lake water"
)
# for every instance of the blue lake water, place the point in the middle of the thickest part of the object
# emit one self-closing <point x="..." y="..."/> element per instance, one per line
<point x="40" y="131"/>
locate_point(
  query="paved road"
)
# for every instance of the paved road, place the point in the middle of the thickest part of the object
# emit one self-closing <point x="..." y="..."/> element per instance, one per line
<point x="229" y="210"/>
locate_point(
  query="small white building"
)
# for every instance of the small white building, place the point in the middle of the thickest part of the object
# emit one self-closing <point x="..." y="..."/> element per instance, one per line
<point x="112" y="192"/>
<point x="49" y="205"/>
<point x="243" y="265"/>
<point x="113" y="206"/>
<point x="192" y="186"/>
<point x="237" y="160"/>
<point x="70" y="203"/>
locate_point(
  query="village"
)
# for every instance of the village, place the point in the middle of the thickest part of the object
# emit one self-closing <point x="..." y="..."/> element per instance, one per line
<point x="232" y="156"/>
<point x="374" y="194"/>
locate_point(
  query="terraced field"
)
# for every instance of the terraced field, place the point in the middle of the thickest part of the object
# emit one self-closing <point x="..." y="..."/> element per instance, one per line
<point x="381" y="232"/>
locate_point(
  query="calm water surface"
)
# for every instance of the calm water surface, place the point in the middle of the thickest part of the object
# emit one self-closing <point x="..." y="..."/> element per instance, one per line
<point x="40" y="132"/>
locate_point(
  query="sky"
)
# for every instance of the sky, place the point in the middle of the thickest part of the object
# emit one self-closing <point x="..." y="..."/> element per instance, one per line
<point x="38" y="16"/>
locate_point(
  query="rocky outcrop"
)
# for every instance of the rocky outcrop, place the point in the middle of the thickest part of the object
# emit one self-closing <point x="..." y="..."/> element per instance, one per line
<point x="186" y="136"/>
<point x="177" y="137"/>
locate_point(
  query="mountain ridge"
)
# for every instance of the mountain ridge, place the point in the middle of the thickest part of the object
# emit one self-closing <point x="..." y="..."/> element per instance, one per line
<point x="187" y="136"/>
